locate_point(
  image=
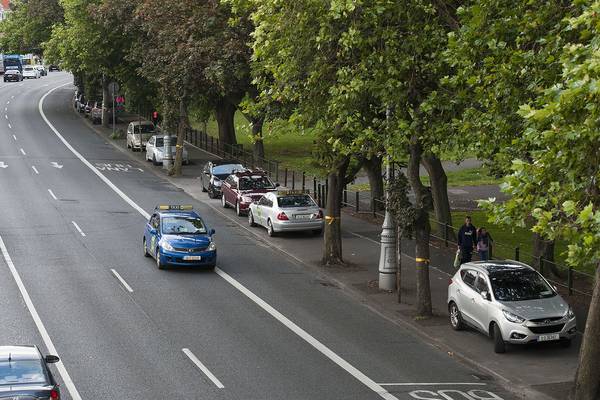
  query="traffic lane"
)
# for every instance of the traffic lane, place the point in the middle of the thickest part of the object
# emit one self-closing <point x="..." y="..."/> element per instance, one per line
<point x="93" y="323"/>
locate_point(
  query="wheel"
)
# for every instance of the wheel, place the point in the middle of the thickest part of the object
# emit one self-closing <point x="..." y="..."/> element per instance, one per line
<point x="158" y="263"/>
<point x="128" y="146"/>
<point x="499" y="344"/>
<point x="223" y="202"/>
<point x="251" y="218"/>
<point x="146" y="254"/>
<point x="455" y="317"/>
<point x="203" y="188"/>
<point x="270" y="231"/>
<point x="154" y="160"/>
<point x="566" y="343"/>
<point x="317" y="232"/>
<point x="238" y="210"/>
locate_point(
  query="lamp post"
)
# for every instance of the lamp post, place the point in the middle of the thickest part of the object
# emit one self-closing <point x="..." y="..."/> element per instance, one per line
<point x="388" y="265"/>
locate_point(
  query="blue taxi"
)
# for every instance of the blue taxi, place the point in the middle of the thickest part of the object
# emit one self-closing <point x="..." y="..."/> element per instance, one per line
<point x="176" y="235"/>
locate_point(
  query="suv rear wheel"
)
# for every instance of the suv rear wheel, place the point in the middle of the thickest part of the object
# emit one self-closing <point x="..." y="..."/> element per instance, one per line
<point x="455" y="317"/>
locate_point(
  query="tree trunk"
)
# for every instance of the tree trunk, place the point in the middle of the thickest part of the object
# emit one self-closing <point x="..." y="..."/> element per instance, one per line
<point x="182" y="126"/>
<point x="225" y="113"/>
<point x="423" y="204"/>
<point x="372" y="167"/>
<point x="106" y="102"/>
<point x="332" y="249"/>
<point x="545" y="249"/>
<point x="587" y="384"/>
<point x="259" y="146"/>
<point x="439" y="191"/>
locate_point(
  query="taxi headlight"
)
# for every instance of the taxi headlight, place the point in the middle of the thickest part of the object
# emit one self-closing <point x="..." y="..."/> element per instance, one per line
<point x="165" y="245"/>
<point x="513" y="317"/>
<point x="247" y="199"/>
<point x="212" y="246"/>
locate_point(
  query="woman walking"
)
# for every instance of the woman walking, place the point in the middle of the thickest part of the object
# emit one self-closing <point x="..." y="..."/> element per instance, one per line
<point x="484" y="240"/>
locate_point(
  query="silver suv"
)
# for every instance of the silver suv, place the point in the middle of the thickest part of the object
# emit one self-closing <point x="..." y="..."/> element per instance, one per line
<point x="509" y="301"/>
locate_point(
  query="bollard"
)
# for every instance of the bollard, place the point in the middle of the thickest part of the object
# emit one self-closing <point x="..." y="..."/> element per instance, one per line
<point x="570" y="280"/>
<point x="303" y="180"/>
<point x="357" y="198"/>
<point x="541" y="266"/>
<point x="517" y="253"/>
<point x="285" y="178"/>
<point x="315" y="186"/>
<point x="446" y="235"/>
<point x="293" y="180"/>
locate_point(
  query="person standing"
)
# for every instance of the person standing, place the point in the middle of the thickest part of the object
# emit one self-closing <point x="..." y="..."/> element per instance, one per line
<point x="484" y="240"/>
<point x="467" y="240"/>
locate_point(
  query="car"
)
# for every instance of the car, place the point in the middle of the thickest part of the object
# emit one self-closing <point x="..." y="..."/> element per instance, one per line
<point x="155" y="149"/>
<point x="138" y="133"/>
<point x="215" y="172"/>
<point x="286" y="211"/>
<point x="30" y="72"/>
<point x="53" y="67"/>
<point x="176" y="235"/>
<point x="24" y="374"/>
<point x="13" y="75"/>
<point x="96" y="113"/>
<point x="240" y="189"/>
<point x="510" y="302"/>
<point x="80" y="102"/>
<point x="42" y="69"/>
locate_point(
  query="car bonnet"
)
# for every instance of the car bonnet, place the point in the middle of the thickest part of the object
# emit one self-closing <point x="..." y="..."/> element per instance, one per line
<point x="549" y="307"/>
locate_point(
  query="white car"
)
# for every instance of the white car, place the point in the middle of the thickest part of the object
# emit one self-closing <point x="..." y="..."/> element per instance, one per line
<point x="42" y="69"/>
<point x="138" y="133"/>
<point x="155" y="149"/>
<point x="510" y="302"/>
<point x="30" y="71"/>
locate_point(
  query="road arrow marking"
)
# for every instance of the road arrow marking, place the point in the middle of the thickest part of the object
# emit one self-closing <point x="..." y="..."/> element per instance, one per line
<point x="2" y="165"/>
<point x="56" y="165"/>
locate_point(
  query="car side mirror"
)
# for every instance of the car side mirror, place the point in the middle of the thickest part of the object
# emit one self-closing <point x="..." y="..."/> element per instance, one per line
<point x="51" y="359"/>
<point x="486" y="295"/>
<point x="277" y="185"/>
<point x="211" y="231"/>
<point x="152" y="231"/>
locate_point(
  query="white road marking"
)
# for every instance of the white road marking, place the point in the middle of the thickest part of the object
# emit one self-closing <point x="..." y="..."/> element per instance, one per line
<point x="9" y="126"/>
<point x="5" y="109"/>
<point x="371" y="384"/>
<point x="125" y="284"/>
<point x="56" y="165"/>
<point x="5" y="116"/>
<point x="12" y="97"/>
<point x="39" y="324"/>
<point x="35" y="169"/>
<point x="2" y="165"/>
<point x="52" y="194"/>
<point x="8" y="102"/>
<point x="203" y="368"/>
<point x="14" y="137"/>
<point x="435" y="384"/>
<point x="22" y="151"/>
<point x="78" y="228"/>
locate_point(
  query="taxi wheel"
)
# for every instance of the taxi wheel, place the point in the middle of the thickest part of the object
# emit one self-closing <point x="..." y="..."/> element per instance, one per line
<point x="238" y="210"/>
<point x="146" y="254"/>
<point x="158" y="263"/>
<point x="223" y="202"/>
<point x="270" y="231"/>
<point x="251" y="218"/>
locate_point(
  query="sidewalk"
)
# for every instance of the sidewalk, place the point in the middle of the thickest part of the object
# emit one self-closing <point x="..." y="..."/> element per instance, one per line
<point x="530" y="370"/>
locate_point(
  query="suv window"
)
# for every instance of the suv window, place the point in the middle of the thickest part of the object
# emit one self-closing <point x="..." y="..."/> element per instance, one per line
<point x="481" y="285"/>
<point x="468" y="277"/>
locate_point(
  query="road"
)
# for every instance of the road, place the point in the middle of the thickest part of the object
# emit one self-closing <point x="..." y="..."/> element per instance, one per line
<point x="260" y="327"/>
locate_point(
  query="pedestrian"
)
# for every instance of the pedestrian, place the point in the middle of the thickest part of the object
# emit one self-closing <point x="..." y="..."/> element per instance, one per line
<point x="484" y="241"/>
<point x="467" y="240"/>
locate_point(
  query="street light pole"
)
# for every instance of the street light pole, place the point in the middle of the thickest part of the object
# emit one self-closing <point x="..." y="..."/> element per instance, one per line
<point x="388" y="265"/>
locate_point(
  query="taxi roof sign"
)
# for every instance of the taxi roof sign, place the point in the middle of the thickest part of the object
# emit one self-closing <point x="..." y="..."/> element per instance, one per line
<point x="178" y="207"/>
<point x="293" y="192"/>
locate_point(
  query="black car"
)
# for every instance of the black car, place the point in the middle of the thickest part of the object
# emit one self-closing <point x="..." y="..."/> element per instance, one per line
<point x="13" y="75"/>
<point x="215" y="172"/>
<point x="24" y="374"/>
<point x="53" y="67"/>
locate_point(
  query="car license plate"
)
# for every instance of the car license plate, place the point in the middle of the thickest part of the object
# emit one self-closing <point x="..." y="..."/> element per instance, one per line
<point x="303" y="216"/>
<point x="546" y="338"/>
<point x="192" y="258"/>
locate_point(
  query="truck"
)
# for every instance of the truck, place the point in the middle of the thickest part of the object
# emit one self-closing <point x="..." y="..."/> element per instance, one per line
<point x="12" y="61"/>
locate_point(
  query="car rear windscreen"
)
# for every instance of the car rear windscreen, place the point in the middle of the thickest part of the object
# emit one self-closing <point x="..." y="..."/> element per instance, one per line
<point x="21" y="372"/>
<point x="301" y="200"/>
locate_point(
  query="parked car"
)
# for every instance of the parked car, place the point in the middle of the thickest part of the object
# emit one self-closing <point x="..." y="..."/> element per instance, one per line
<point x="53" y="67"/>
<point x="80" y="103"/>
<point x="24" y="374"/>
<point x="13" y="75"/>
<point x="242" y="188"/>
<point x="42" y="69"/>
<point x="30" y="72"/>
<point x="286" y="211"/>
<point x="87" y="108"/>
<point x="96" y="113"/>
<point x="138" y="133"/>
<point x="215" y="172"/>
<point x="511" y="302"/>
<point x="155" y="149"/>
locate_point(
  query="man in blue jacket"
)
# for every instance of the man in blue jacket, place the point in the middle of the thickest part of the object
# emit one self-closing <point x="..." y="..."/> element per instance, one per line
<point x="467" y="240"/>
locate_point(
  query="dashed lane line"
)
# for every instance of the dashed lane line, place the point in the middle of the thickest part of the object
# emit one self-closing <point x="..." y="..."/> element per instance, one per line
<point x="22" y="151"/>
<point x="78" y="228"/>
<point x="202" y="367"/>
<point x="35" y="169"/>
<point x="52" y="194"/>
<point x="121" y="280"/>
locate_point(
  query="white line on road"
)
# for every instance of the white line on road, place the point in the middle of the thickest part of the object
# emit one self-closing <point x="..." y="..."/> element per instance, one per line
<point x="14" y="137"/>
<point x="39" y="324"/>
<point x="125" y="284"/>
<point x="52" y="194"/>
<point x="78" y="228"/>
<point x="5" y="109"/>
<point x="35" y="169"/>
<point x="8" y="102"/>
<point x="23" y="152"/>
<point x="435" y="384"/>
<point x="9" y="126"/>
<point x="5" y="116"/>
<point x="12" y="97"/>
<point x="371" y="384"/>
<point x="203" y="368"/>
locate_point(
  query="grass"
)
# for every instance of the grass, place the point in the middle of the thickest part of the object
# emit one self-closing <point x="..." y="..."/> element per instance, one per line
<point x="468" y="177"/>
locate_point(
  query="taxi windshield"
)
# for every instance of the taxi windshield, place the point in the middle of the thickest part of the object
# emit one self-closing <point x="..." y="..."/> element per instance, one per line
<point x="182" y="225"/>
<point x="301" y="200"/>
<point x="255" y="183"/>
<point x="21" y="372"/>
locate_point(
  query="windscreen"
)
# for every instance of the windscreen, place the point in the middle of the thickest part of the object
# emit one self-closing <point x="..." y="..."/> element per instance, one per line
<point x="223" y="171"/>
<point x="301" y="200"/>
<point x="21" y="371"/>
<point x="255" y="183"/>
<point x="182" y="225"/>
<point x="519" y="285"/>
<point x="144" y="128"/>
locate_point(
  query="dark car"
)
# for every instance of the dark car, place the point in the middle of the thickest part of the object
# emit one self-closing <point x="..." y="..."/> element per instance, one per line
<point x="13" y="75"/>
<point x="215" y="172"/>
<point x="53" y="67"/>
<point x="242" y="188"/>
<point x="24" y="374"/>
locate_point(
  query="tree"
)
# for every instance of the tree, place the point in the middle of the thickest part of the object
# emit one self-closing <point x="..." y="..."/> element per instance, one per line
<point x="557" y="184"/>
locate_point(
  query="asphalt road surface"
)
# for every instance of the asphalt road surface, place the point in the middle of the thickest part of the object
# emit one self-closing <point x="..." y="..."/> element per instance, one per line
<point x="73" y="280"/>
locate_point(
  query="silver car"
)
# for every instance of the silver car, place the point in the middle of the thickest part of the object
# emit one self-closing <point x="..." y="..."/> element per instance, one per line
<point x="155" y="149"/>
<point x="286" y="211"/>
<point x="509" y="301"/>
<point x="138" y="133"/>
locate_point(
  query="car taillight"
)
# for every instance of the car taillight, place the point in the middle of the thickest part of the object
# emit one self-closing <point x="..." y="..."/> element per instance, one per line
<point x="282" y="217"/>
<point x="449" y="281"/>
<point x="320" y="215"/>
<point x="54" y="395"/>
